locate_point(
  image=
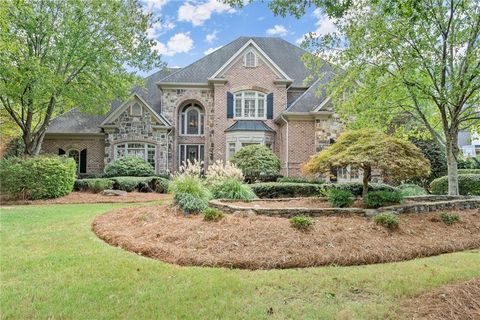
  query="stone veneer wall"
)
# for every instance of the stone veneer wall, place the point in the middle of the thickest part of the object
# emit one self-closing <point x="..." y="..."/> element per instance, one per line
<point x="173" y="101"/>
<point x="95" y="145"/>
<point x="325" y="130"/>
<point x="131" y="129"/>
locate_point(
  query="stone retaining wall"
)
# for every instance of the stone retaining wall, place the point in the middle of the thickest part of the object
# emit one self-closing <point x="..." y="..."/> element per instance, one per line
<point x="424" y="207"/>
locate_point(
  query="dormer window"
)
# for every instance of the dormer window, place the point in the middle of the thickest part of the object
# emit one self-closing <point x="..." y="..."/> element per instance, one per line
<point x="250" y="59"/>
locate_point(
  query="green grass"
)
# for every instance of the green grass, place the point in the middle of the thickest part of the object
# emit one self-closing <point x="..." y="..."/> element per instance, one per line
<point x="53" y="266"/>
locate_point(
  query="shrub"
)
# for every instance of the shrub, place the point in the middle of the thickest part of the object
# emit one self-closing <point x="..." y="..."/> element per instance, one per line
<point x="438" y="160"/>
<point x="256" y="160"/>
<point x="449" y="218"/>
<point x="161" y="185"/>
<point x="93" y="185"/>
<point x="377" y="199"/>
<point x="129" y="166"/>
<point x="340" y="198"/>
<point x="469" y="185"/>
<point x="191" y="168"/>
<point x="219" y="172"/>
<point x="299" y="180"/>
<point x="128" y="184"/>
<point x="387" y="219"/>
<point x="142" y="184"/>
<point x="39" y="177"/>
<point x="191" y="185"/>
<point x="470" y="163"/>
<point x="355" y="187"/>
<point x="410" y="189"/>
<point x="301" y="223"/>
<point x="190" y="203"/>
<point x="285" y="190"/>
<point x="212" y="214"/>
<point x="232" y="189"/>
<point x="468" y="171"/>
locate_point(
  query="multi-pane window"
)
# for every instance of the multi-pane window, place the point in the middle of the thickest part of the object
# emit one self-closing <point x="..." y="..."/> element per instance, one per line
<point x="250" y="59"/>
<point x="144" y="151"/>
<point x="192" y="121"/>
<point x="191" y="152"/>
<point x="250" y="105"/>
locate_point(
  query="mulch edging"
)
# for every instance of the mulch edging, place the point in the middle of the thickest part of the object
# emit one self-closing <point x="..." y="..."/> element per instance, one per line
<point x="453" y="302"/>
<point x="250" y="241"/>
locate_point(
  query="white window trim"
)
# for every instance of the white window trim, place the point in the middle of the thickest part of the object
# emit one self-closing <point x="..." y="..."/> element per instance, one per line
<point x="241" y="137"/>
<point x="185" y="121"/>
<point x="245" y="59"/>
<point x="145" y="147"/>
<point x="242" y="109"/>
<point x="348" y="174"/>
<point x="198" y="145"/>
<point x="79" y="159"/>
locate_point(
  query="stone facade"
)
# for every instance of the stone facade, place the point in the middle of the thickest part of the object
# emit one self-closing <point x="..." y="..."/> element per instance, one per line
<point x="95" y="145"/>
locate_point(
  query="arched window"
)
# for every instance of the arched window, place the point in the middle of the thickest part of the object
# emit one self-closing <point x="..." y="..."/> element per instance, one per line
<point x="192" y="120"/>
<point x="250" y="59"/>
<point x="250" y="104"/>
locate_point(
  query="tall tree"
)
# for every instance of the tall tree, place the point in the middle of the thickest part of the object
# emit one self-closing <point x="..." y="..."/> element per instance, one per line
<point x="60" y="54"/>
<point x="408" y="60"/>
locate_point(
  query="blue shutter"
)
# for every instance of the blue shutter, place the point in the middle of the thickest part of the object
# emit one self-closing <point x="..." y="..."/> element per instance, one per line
<point x="229" y="105"/>
<point x="270" y="106"/>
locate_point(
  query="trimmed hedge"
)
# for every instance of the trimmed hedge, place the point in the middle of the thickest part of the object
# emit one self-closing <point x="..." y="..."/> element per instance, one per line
<point x="129" y="166"/>
<point x="355" y="187"/>
<point x="377" y="199"/>
<point x="468" y="184"/>
<point x="300" y="180"/>
<point x="285" y="190"/>
<point x="129" y="184"/>
<point x="93" y="185"/>
<point x="40" y="177"/>
<point x="468" y="171"/>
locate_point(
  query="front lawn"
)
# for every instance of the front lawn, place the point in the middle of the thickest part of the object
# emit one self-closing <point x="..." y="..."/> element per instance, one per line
<point x="53" y="266"/>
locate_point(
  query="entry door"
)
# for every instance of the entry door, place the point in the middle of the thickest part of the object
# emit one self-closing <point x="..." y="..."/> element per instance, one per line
<point x="192" y="153"/>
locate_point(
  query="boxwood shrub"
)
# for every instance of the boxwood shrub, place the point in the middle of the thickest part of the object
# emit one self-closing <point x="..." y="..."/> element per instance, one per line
<point x="340" y="198"/>
<point x="130" y="166"/>
<point x="143" y="184"/>
<point x="377" y="199"/>
<point x="93" y="185"/>
<point x="285" y="190"/>
<point x="469" y="185"/>
<point x="354" y="187"/>
<point x="39" y="177"/>
<point x="468" y="171"/>
<point x="300" y="180"/>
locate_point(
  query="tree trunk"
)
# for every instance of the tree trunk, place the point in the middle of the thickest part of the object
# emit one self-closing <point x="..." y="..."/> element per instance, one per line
<point x="452" y="167"/>
<point x="367" y="172"/>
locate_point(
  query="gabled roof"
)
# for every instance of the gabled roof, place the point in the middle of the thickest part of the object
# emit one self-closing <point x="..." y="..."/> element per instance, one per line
<point x="249" y="125"/>
<point x="284" y="54"/>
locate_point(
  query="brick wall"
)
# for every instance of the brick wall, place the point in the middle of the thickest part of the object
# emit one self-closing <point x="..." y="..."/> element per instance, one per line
<point x="95" y="145"/>
<point x="301" y="144"/>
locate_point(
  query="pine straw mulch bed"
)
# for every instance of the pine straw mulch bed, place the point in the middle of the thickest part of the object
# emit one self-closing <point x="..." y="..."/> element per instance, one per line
<point x="453" y="302"/>
<point x="261" y="242"/>
<point x="87" y="197"/>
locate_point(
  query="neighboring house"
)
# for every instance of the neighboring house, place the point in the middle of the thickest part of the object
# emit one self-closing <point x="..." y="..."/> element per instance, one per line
<point x="469" y="143"/>
<point x="250" y="91"/>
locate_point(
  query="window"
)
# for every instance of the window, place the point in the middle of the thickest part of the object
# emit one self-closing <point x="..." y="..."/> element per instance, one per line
<point x="231" y="149"/>
<point x="136" y="110"/>
<point x="192" y="120"/>
<point x="250" y="59"/>
<point x="144" y="151"/>
<point x="80" y="158"/>
<point x="191" y="152"/>
<point x="250" y="105"/>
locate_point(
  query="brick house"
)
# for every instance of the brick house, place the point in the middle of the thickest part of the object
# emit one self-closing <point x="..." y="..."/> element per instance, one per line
<point x="250" y="91"/>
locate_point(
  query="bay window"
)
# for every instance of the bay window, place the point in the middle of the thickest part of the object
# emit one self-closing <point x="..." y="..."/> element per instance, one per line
<point x="250" y="105"/>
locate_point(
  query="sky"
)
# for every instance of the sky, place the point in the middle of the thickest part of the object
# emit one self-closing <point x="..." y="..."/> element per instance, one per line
<point x="188" y="30"/>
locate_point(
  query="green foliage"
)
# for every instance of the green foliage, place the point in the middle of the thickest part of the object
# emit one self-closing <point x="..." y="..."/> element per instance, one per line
<point x="340" y="198"/>
<point x="449" y="218"/>
<point x="86" y="57"/>
<point x="354" y="187"/>
<point x="470" y="163"/>
<point x="40" y="177"/>
<point x="94" y="185"/>
<point x="377" y="199"/>
<point x="256" y="160"/>
<point x="232" y="189"/>
<point x="161" y="185"/>
<point x="285" y="190"/>
<point x="212" y="214"/>
<point x="468" y="171"/>
<point x="301" y="223"/>
<point x="190" y="203"/>
<point x="387" y="219"/>
<point x="299" y="180"/>
<point x="410" y="189"/>
<point x="468" y="184"/>
<point x="143" y="184"/>
<point x="367" y="149"/>
<point x="130" y="166"/>
<point x="15" y="148"/>
<point x="438" y="161"/>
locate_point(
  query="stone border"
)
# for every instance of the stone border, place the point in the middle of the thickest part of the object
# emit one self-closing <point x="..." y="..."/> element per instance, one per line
<point x="427" y="204"/>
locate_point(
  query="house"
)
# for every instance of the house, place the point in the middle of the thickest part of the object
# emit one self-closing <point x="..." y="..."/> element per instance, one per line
<point x="469" y="143"/>
<point x="250" y="91"/>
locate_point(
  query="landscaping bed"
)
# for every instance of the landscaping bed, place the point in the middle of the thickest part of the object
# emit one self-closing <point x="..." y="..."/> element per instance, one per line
<point x="453" y="302"/>
<point x="259" y="242"/>
<point x="87" y="197"/>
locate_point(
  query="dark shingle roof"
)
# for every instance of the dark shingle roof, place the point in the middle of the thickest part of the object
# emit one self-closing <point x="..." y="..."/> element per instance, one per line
<point x="286" y="55"/>
<point x="249" y="125"/>
<point x="314" y="95"/>
<point x="75" y="121"/>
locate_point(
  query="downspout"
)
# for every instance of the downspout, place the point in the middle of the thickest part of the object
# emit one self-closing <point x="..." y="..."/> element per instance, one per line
<point x="168" y="146"/>
<point x="286" y="143"/>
